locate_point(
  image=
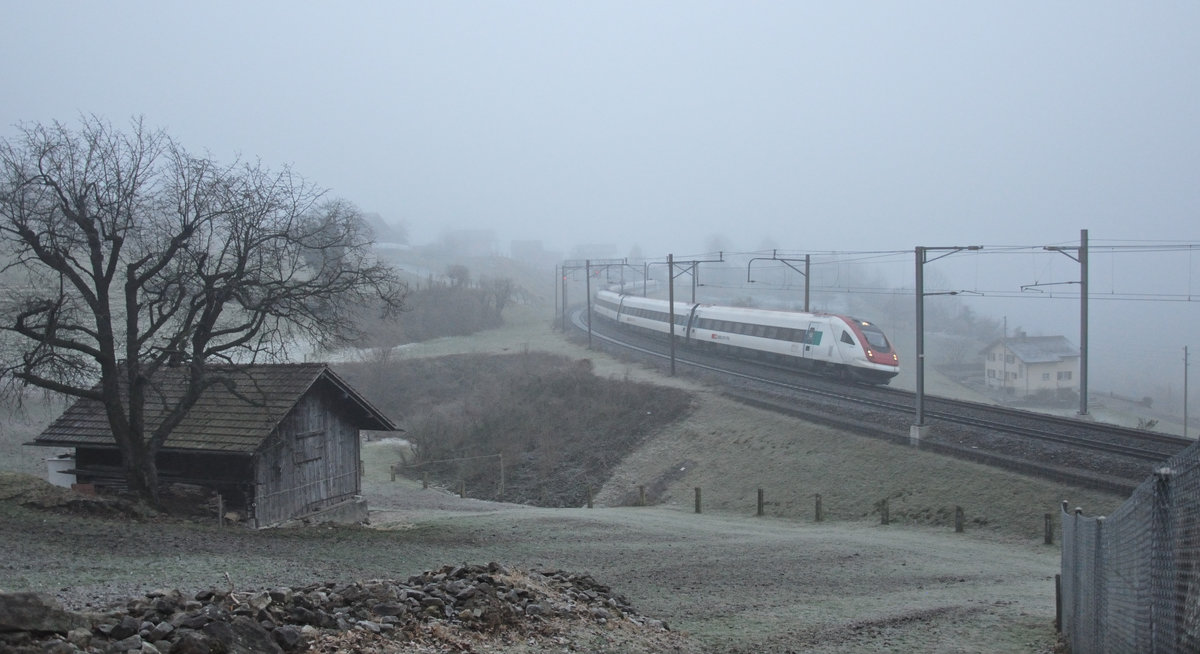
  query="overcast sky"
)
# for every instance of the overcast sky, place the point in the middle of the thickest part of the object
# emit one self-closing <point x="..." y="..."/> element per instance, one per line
<point x="798" y="125"/>
<point x="804" y="126"/>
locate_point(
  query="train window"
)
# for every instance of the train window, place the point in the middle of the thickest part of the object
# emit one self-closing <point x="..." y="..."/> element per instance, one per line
<point x="846" y="338"/>
<point x="772" y="332"/>
<point x="876" y="338"/>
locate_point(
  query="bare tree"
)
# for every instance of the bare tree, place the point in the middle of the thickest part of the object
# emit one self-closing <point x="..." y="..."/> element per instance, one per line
<point x="135" y="257"/>
<point x="460" y="275"/>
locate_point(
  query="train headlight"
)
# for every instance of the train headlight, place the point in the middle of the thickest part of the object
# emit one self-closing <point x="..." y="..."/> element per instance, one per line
<point x="870" y="354"/>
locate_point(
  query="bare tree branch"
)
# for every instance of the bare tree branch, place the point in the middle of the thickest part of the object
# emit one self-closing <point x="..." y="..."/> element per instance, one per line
<point x="140" y="256"/>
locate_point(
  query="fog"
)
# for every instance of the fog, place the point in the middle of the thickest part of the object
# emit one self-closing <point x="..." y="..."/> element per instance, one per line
<point x="670" y="127"/>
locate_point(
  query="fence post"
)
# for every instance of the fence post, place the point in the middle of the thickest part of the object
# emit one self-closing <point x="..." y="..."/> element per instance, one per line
<point x="589" y="496"/>
<point x="1076" y="572"/>
<point x="959" y="519"/>
<point x="641" y="496"/>
<point x="462" y="489"/>
<point x="819" y="516"/>
<point x="697" y="499"/>
<point x="760" y="502"/>
<point x="393" y="468"/>
<point x="425" y="481"/>
<point x="1099" y="639"/>
<point x="1058" y="603"/>
<point x="883" y="511"/>
<point x="500" y="495"/>
<point x="1163" y="607"/>
<point x="1049" y="529"/>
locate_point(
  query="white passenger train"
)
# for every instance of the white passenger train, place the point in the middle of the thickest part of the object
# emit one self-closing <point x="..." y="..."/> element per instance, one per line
<point x="823" y="343"/>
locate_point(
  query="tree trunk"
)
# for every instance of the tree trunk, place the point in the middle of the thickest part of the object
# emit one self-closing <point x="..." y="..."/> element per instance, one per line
<point x="141" y="471"/>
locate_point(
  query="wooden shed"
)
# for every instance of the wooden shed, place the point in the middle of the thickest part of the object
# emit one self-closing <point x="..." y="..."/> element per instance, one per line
<point x="279" y="442"/>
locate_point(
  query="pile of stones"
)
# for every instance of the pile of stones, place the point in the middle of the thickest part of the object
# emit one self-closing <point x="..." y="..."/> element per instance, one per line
<point x="483" y="598"/>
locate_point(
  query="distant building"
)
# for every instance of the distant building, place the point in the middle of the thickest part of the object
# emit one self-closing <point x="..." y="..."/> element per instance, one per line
<point x="1032" y="365"/>
<point x="534" y="254"/>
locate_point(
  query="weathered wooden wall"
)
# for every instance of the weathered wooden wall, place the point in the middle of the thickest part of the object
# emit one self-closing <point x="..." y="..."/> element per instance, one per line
<point x="310" y="462"/>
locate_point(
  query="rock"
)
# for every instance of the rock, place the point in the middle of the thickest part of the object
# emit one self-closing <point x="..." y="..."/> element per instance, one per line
<point x="191" y="642"/>
<point x="80" y="637"/>
<point x="59" y="647"/>
<point x="288" y="638"/>
<point x="133" y="642"/>
<point x="241" y="636"/>
<point x="160" y="631"/>
<point x="389" y="608"/>
<point x="191" y="620"/>
<point x="260" y="601"/>
<point x="125" y="628"/>
<point x="38" y="613"/>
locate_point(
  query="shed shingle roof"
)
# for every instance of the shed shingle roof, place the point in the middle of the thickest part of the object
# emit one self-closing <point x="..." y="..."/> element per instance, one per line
<point x="224" y="420"/>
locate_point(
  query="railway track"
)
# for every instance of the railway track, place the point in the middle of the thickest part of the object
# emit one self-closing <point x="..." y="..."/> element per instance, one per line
<point x="1070" y="450"/>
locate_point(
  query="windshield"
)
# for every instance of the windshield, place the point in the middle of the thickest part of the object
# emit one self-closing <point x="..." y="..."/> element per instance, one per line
<point x="876" y="338"/>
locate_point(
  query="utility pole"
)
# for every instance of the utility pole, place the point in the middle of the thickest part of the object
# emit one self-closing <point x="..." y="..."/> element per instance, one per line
<point x="1082" y="258"/>
<point x="787" y="262"/>
<point x="922" y="253"/>
<point x="1185" y="390"/>
<point x="587" y="267"/>
<point x="671" y="306"/>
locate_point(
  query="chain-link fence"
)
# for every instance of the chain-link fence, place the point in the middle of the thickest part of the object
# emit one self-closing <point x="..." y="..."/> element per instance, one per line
<point x="1131" y="581"/>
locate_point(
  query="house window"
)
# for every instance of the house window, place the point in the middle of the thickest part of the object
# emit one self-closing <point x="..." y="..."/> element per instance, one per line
<point x="991" y="373"/>
<point x="1064" y="375"/>
<point x="1045" y="376"/>
<point x="1009" y="358"/>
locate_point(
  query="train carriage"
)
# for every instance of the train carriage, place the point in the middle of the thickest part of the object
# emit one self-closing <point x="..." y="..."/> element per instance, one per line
<point x="824" y="343"/>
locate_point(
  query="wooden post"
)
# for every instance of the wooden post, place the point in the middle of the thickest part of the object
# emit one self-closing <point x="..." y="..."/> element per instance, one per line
<point x="500" y="495"/>
<point x="641" y="496"/>
<point x="393" y="468"/>
<point x="589" y="495"/>
<point x="425" y="480"/>
<point x="462" y="488"/>
<point x="1058" y="603"/>
<point x="820" y="517"/>
<point x="883" y="512"/>
<point x="220" y="510"/>
<point x="760" y="502"/>
<point x="1049" y="529"/>
<point x="958" y="519"/>
<point x="697" y="499"/>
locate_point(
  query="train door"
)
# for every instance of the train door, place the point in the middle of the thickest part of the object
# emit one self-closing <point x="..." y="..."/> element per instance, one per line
<point x="812" y="340"/>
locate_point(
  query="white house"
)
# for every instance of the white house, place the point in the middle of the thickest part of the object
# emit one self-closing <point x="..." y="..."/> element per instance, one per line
<point x="1032" y="365"/>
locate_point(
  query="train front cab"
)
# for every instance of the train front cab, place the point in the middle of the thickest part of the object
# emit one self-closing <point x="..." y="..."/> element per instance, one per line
<point x="879" y="360"/>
